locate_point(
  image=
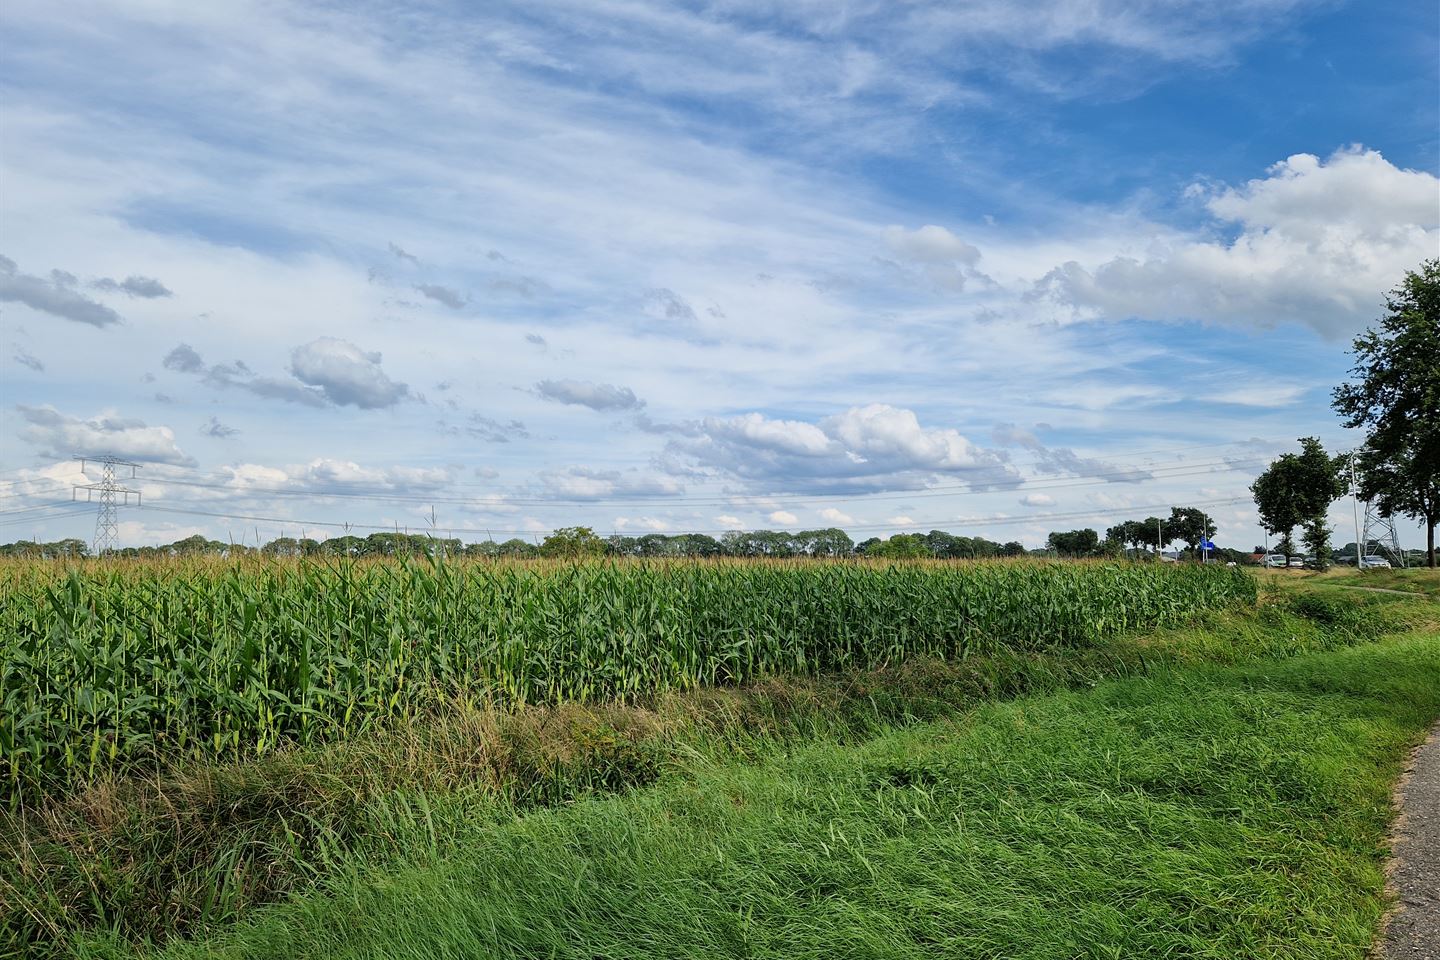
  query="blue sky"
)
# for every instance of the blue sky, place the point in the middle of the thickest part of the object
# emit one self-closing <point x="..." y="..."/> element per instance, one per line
<point x="694" y="266"/>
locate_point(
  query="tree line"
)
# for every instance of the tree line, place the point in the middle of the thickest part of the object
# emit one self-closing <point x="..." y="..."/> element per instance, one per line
<point x="568" y="542"/>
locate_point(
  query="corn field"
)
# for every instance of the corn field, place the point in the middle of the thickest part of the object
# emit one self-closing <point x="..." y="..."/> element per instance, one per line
<point x="108" y="666"/>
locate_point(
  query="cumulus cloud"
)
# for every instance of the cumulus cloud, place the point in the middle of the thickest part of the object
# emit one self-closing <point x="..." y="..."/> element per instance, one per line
<point x="442" y="295"/>
<point x="596" y="396"/>
<point x="755" y="430"/>
<point x="1037" y="500"/>
<point x="1317" y="243"/>
<point x="831" y="515"/>
<point x="54" y="296"/>
<point x="345" y="374"/>
<point x="783" y="517"/>
<point x="867" y="448"/>
<point x="147" y="288"/>
<point x="727" y="520"/>
<point x="186" y="359"/>
<point x="894" y="435"/>
<point x="326" y="371"/>
<point x="56" y="434"/>
<point x="938" y="255"/>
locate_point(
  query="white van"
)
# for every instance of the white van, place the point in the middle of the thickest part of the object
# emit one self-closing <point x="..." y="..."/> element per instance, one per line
<point x="1276" y="560"/>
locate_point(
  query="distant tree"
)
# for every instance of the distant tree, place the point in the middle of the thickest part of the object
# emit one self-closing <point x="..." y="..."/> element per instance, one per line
<point x="1074" y="543"/>
<point x="282" y="547"/>
<point x="346" y="546"/>
<point x="902" y="546"/>
<point x="698" y="545"/>
<point x="1190" y="525"/>
<point x="516" y="548"/>
<point x="829" y="542"/>
<point x="865" y="546"/>
<point x="1013" y="549"/>
<point x="1298" y="489"/>
<point x="1396" y="397"/>
<point x="572" y="543"/>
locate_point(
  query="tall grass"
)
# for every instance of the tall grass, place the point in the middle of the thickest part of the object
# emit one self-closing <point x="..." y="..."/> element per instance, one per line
<point x="109" y="665"/>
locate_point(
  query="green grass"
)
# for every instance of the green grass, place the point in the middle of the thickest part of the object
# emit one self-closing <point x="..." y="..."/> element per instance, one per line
<point x="1206" y="812"/>
<point x="190" y="850"/>
<point x="1421" y="581"/>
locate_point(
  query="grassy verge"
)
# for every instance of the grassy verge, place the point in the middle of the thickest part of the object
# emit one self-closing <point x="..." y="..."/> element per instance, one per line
<point x="197" y="848"/>
<point x="1420" y="581"/>
<point x="1201" y="812"/>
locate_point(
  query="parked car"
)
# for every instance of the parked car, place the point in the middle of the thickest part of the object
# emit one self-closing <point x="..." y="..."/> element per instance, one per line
<point x="1374" y="563"/>
<point x="1310" y="563"/>
<point x="1275" y="560"/>
<point x="1295" y="562"/>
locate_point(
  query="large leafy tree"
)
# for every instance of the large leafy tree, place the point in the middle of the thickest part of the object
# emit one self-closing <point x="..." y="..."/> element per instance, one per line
<point x="1191" y="525"/>
<point x="1395" y="396"/>
<point x="1074" y="543"/>
<point x="1297" y="489"/>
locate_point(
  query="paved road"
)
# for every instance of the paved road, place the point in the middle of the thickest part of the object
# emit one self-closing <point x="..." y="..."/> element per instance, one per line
<point x="1414" y="932"/>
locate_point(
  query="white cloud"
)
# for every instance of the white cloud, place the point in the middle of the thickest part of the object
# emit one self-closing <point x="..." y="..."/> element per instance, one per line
<point x="345" y="374"/>
<point x="940" y="256"/>
<point x="900" y="521"/>
<point x="1319" y="242"/>
<point x="1261" y="395"/>
<point x="1037" y="500"/>
<point x="727" y="520"/>
<point x="831" y="515"/>
<point x="56" y="434"/>
<point x="892" y="435"/>
<point x="653" y="524"/>
<point x="874" y="447"/>
<point x="789" y="437"/>
<point x="783" y="517"/>
<point x="596" y="396"/>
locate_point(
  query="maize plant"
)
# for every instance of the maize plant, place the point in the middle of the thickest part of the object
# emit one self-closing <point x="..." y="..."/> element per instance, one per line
<point x="114" y="665"/>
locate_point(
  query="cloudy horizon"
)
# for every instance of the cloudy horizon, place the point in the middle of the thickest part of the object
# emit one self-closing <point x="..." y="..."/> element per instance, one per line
<point x="694" y="267"/>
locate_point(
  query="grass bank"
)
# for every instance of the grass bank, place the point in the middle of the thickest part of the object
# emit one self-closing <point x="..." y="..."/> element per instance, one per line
<point x="1201" y="812"/>
<point x="193" y="850"/>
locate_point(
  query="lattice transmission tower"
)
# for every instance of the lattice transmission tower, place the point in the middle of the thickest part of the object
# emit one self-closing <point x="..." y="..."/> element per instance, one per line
<point x="1378" y="533"/>
<point x="110" y="496"/>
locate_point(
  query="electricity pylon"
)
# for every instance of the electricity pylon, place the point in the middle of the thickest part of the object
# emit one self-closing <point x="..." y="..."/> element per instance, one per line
<point x="110" y="496"/>
<point x="1377" y="534"/>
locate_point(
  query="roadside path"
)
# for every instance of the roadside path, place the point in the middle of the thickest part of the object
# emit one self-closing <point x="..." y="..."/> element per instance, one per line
<point x="1413" y="932"/>
<point x="1402" y="593"/>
